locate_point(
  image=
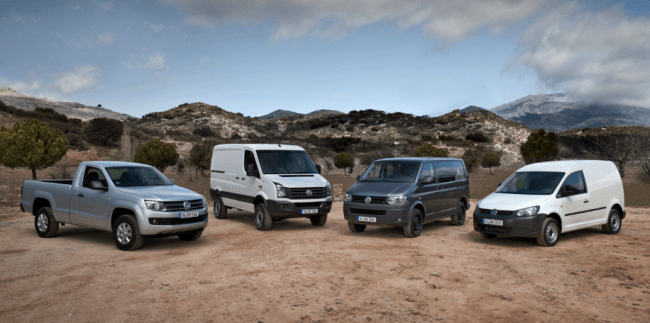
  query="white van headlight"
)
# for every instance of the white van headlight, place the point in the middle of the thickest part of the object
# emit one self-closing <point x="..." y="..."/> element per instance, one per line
<point x="281" y="190"/>
<point x="399" y="199"/>
<point x="348" y="197"/>
<point x="529" y="211"/>
<point x="329" y="189"/>
<point x="155" y="205"/>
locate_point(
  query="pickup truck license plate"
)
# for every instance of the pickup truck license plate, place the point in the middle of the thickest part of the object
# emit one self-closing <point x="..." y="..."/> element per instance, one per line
<point x="309" y="211"/>
<point x="493" y="222"/>
<point x="366" y="219"/>
<point x="189" y="215"/>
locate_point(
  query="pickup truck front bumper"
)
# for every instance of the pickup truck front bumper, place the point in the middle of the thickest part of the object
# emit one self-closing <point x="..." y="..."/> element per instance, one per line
<point x="154" y="223"/>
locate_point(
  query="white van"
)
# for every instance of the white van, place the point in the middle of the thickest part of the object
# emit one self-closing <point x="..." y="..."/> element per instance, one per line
<point x="543" y="200"/>
<point x="273" y="181"/>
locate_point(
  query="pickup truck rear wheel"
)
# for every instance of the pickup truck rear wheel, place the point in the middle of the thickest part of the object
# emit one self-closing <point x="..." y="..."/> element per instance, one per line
<point x="413" y="227"/>
<point x="44" y="222"/>
<point x="126" y="233"/>
<point x="263" y="219"/>
<point x="190" y="235"/>
<point x="459" y="217"/>
<point x="613" y="225"/>
<point x="220" y="210"/>
<point x="356" y="227"/>
<point x="318" y="220"/>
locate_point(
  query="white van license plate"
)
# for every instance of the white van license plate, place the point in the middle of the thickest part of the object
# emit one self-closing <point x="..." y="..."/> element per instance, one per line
<point x="366" y="219"/>
<point x="309" y="211"/>
<point x="189" y="215"/>
<point x="493" y="222"/>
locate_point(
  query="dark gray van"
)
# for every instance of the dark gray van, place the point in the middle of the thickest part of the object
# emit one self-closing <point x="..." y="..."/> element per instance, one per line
<point x="408" y="192"/>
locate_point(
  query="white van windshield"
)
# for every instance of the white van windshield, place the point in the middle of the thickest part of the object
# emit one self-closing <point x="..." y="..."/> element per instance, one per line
<point x="532" y="183"/>
<point x="285" y="162"/>
<point x="392" y="171"/>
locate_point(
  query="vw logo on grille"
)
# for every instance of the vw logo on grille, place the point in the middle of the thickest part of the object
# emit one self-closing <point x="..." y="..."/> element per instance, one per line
<point x="493" y="212"/>
<point x="309" y="192"/>
<point x="368" y="200"/>
<point x="187" y="205"/>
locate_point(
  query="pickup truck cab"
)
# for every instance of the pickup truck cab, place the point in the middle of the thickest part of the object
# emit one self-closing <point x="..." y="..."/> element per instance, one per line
<point x="543" y="200"/>
<point x="132" y="200"/>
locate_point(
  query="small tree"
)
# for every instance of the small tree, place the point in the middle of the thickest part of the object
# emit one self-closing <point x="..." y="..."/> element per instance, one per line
<point x="539" y="147"/>
<point x="201" y="155"/>
<point x="471" y="157"/>
<point x="427" y="150"/>
<point x="344" y="160"/>
<point x="157" y="154"/>
<point x="104" y="131"/>
<point x="32" y="144"/>
<point x="490" y="160"/>
<point x="329" y="166"/>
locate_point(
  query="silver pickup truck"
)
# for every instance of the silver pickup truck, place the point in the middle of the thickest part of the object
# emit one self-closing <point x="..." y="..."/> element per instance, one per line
<point x="132" y="200"/>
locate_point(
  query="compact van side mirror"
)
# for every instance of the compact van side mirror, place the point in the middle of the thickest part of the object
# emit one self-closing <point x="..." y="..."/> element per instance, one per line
<point x="570" y="190"/>
<point x="318" y="168"/>
<point x="427" y="180"/>
<point x="97" y="185"/>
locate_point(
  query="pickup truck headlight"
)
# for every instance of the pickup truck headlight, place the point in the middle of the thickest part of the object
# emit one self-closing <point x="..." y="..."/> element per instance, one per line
<point x="399" y="199"/>
<point x="205" y="202"/>
<point x="281" y="190"/>
<point x="529" y="211"/>
<point x="155" y="205"/>
<point x="329" y="189"/>
<point x="348" y="197"/>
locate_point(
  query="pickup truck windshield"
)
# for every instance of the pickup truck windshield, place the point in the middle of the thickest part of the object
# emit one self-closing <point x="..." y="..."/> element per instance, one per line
<point x="392" y="171"/>
<point x="285" y="162"/>
<point x="136" y="176"/>
<point x="532" y="183"/>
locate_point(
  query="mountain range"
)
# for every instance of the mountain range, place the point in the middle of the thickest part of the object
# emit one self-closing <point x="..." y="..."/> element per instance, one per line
<point x="284" y="113"/>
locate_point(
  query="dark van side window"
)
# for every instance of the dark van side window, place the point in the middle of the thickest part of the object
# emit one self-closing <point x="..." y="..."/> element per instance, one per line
<point x="576" y="181"/>
<point x="427" y="170"/>
<point x="449" y="171"/>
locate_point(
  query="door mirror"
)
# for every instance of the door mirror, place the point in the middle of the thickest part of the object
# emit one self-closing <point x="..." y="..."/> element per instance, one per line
<point x="97" y="185"/>
<point x="427" y="180"/>
<point x="251" y="171"/>
<point x="318" y="168"/>
<point x="500" y="184"/>
<point x="570" y="190"/>
<point x="358" y="177"/>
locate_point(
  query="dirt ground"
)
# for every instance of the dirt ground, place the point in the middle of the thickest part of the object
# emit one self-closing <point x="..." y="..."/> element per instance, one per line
<point x="300" y="273"/>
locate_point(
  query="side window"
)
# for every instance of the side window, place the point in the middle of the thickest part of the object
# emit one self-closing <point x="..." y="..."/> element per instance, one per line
<point x="427" y="170"/>
<point x="445" y="171"/>
<point x="249" y="159"/>
<point x="93" y="174"/>
<point x="461" y="175"/>
<point x="575" y="181"/>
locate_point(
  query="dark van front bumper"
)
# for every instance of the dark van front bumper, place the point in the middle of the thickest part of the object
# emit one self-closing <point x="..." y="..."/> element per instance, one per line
<point x="512" y="226"/>
<point x="384" y="214"/>
<point x="294" y="209"/>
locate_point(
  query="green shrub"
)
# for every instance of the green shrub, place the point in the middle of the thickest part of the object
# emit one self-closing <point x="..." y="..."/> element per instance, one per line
<point x="345" y="161"/>
<point x="157" y="154"/>
<point x="201" y="155"/>
<point x="204" y="132"/>
<point x="471" y="157"/>
<point x="477" y="137"/>
<point x="104" y="132"/>
<point x="490" y="160"/>
<point x="540" y="146"/>
<point x="427" y="150"/>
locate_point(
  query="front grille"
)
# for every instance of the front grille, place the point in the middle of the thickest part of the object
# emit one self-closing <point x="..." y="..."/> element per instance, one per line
<point x="178" y="205"/>
<point x="499" y="212"/>
<point x="366" y="211"/>
<point x="301" y="193"/>
<point x="373" y="199"/>
<point x="498" y="230"/>
<point x="175" y="221"/>
<point x="307" y="204"/>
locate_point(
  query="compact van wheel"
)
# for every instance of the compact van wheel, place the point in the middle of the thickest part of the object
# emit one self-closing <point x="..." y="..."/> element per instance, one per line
<point x="263" y="220"/>
<point x="549" y="233"/>
<point x="413" y="227"/>
<point x="190" y="235"/>
<point x="126" y="233"/>
<point x="459" y="217"/>
<point x="613" y="225"/>
<point x="356" y="227"/>
<point x="318" y="220"/>
<point x="220" y="210"/>
<point x="44" y="223"/>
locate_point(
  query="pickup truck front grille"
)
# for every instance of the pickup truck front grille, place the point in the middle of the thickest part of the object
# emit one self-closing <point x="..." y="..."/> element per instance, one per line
<point x="301" y="193"/>
<point x="178" y="205"/>
<point x="499" y="212"/>
<point x="373" y="199"/>
<point x="176" y="221"/>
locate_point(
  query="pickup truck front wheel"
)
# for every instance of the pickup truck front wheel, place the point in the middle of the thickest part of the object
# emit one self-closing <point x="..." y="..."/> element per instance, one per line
<point x="44" y="222"/>
<point x="126" y="233"/>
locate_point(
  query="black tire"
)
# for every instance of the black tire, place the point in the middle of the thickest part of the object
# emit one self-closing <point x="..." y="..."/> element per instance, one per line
<point x="263" y="219"/>
<point x="126" y="233"/>
<point x="413" y="227"/>
<point x="318" y="220"/>
<point x="220" y="210"/>
<point x="488" y="235"/>
<point x="459" y="217"/>
<point x="45" y="224"/>
<point x="614" y="222"/>
<point x="356" y="227"/>
<point x="190" y="235"/>
<point x="549" y="233"/>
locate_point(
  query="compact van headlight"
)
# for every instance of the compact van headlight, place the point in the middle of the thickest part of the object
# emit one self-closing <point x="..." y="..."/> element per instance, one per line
<point x="348" y="197"/>
<point x="329" y="189"/>
<point x="281" y="190"/>
<point x="399" y="199"/>
<point x="155" y="205"/>
<point x="529" y="211"/>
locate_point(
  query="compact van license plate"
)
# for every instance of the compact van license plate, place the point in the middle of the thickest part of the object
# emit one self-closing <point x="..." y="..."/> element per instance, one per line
<point x="493" y="222"/>
<point x="189" y="215"/>
<point x="366" y="219"/>
<point x="309" y="211"/>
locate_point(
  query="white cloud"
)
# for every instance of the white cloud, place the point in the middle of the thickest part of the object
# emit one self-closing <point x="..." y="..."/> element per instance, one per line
<point x="106" y="39"/>
<point x="79" y="79"/>
<point x="597" y="56"/>
<point x="27" y="88"/>
<point x="157" y="62"/>
<point x="157" y="28"/>
<point x="205" y="59"/>
<point x="105" y="5"/>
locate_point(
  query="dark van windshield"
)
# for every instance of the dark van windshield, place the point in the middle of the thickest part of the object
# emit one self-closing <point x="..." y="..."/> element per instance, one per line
<point x="533" y="183"/>
<point x="136" y="176"/>
<point x="285" y="162"/>
<point x="392" y="171"/>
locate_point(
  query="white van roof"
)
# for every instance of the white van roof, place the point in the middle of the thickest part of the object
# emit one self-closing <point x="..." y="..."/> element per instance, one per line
<point x="259" y="146"/>
<point x="566" y="166"/>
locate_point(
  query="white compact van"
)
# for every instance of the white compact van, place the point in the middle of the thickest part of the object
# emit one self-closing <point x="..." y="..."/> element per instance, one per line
<point x="543" y="200"/>
<point x="273" y="181"/>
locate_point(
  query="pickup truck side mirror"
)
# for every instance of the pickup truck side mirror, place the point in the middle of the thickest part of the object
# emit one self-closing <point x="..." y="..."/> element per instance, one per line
<point x="97" y="185"/>
<point x="427" y="180"/>
<point x="318" y="168"/>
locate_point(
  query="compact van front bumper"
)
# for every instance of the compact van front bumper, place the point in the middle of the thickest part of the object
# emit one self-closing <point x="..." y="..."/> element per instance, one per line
<point x="524" y="226"/>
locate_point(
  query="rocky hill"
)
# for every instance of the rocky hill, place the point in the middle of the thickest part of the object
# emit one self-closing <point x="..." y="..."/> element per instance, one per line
<point x="285" y="113"/>
<point x="71" y="109"/>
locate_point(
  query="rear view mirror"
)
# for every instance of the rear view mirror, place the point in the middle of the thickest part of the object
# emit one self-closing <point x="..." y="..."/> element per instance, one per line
<point x="318" y="168"/>
<point x="251" y="171"/>
<point x="570" y="190"/>
<point x="97" y="185"/>
<point x="427" y="180"/>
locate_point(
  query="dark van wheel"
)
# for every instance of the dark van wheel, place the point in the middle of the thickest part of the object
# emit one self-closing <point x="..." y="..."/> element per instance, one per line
<point x="263" y="220"/>
<point x="126" y="233"/>
<point x="459" y="217"/>
<point x="613" y="225"/>
<point x="190" y="235"/>
<point x="318" y="220"/>
<point x="488" y="235"/>
<point x="413" y="227"/>
<point x="356" y="227"/>
<point x="220" y="210"/>
<point x="44" y="223"/>
<point x="549" y="233"/>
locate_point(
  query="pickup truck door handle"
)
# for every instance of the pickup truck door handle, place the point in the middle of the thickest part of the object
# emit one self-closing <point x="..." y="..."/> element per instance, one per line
<point x="586" y="201"/>
<point x="80" y="195"/>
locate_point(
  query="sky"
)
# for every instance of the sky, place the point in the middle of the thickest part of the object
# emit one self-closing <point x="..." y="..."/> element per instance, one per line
<point x="257" y="56"/>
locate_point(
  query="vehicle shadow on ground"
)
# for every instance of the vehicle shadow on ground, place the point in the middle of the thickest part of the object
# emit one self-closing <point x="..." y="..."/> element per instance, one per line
<point x="396" y="232"/>
<point x="519" y="242"/>
<point x="248" y="219"/>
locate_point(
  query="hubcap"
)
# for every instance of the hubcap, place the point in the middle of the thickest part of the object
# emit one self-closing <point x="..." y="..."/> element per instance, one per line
<point x="259" y="217"/>
<point x="416" y="223"/>
<point x="461" y="215"/>
<point x="217" y="208"/>
<point x="551" y="232"/>
<point x="615" y="222"/>
<point x="42" y="222"/>
<point x="124" y="233"/>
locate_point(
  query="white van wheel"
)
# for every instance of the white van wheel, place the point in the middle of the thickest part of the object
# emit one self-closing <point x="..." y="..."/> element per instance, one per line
<point x="613" y="225"/>
<point x="220" y="210"/>
<point x="263" y="220"/>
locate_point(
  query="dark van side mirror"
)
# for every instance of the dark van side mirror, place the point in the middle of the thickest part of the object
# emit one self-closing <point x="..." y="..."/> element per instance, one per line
<point x="427" y="180"/>
<point x="318" y="168"/>
<point x="97" y="185"/>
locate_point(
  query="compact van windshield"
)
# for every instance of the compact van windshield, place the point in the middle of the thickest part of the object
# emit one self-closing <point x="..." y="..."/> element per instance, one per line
<point x="533" y="183"/>
<point x="285" y="162"/>
<point x="136" y="176"/>
<point x="392" y="171"/>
